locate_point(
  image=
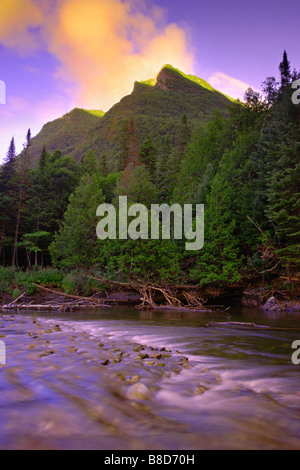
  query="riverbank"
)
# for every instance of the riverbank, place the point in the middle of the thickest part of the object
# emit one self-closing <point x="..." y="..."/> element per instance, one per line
<point x="44" y="289"/>
<point x="278" y="302"/>
<point x="258" y="298"/>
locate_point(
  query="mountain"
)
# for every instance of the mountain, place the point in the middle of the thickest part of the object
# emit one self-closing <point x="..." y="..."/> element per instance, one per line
<point x="65" y="133"/>
<point x="156" y="106"/>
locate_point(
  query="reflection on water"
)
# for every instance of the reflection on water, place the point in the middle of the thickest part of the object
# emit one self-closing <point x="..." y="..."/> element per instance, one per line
<point x="239" y="389"/>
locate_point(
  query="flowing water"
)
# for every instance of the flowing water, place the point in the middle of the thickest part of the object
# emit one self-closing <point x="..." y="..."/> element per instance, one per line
<point x="207" y="387"/>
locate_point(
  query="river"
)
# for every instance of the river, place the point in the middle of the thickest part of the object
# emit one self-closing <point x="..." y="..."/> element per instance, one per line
<point x="207" y="388"/>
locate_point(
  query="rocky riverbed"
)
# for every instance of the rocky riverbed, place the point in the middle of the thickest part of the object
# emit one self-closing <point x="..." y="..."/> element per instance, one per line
<point x="63" y="388"/>
<point x="116" y="379"/>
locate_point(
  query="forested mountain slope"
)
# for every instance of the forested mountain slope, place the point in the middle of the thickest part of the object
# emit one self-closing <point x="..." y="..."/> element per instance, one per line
<point x="157" y="107"/>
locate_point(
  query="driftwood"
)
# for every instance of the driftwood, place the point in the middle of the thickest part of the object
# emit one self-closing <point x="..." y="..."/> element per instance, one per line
<point x="78" y="297"/>
<point x="249" y="326"/>
<point x="20" y="297"/>
<point x="59" y="302"/>
<point x="175" y="297"/>
<point x="183" y="309"/>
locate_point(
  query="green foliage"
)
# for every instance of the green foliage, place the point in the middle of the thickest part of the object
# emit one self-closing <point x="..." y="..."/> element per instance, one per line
<point x="75" y="283"/>
<point x="70" y="283"/>
<point x="66" y="133"/>
<point x="89" y="165"/>
<point x="76" y="239"/>
<point x="148" y="155"/>
<point x="48" y="277"/>
<point x="7" y="277"/>
<point x="283" y="182"/>
<point x="136" y="184"/>
<point x="16" y="293"/>
<point x="153" y="259"/>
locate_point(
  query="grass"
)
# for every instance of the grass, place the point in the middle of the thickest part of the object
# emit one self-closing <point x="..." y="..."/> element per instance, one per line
<point x="16" y="282"/>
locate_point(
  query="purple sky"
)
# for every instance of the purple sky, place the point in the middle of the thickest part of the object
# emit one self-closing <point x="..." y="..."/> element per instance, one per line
<point x="230" y="42"/>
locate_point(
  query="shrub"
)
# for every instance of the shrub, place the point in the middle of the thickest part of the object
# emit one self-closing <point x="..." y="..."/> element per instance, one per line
<point x="7" y="278"/>
<point x="46" y="277"/>
<point x="16" y="293"/>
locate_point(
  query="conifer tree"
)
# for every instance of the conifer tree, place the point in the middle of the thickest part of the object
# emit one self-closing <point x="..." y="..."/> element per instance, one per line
<point x="103" y="166"/>
<point x="148" y="155"/>
<point x="285" y="71"/>
<point x="21" y="190"/>
<point x="7" y="173"/>
<point x="283" y="182"/>
<point x="9" y="165"/>
<point x="124" y="145"/>
<point x="89" y="164"/>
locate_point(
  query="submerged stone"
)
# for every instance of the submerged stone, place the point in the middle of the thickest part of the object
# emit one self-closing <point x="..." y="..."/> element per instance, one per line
<point x="138" y="391"/>
<point x="106" y="362"/>
<point x="133" y="380"/>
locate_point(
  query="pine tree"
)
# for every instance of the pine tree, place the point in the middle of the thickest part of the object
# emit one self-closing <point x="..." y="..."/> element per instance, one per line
<point x="183" y="139"/>
<point x="9" y="165"/>
<point x="89" y="164"/>
<point x="21" y="191"/>
<point x="7" y="173"/>
<point x="283" y="191"/>
<point x="148" y="155"/>
<point x="103" y="166"/>
<point x="285" y="71"/>
<point x="124" y="145"/>
<point x="75" y="245"/>
<point x="270" y="90"/>
<point x="163" y="172"/>
<point x="134" y="157"/>
<point x="42" y="159"/>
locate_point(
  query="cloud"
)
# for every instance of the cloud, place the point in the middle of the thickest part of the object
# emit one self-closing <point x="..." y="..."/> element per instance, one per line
<point x="18" y="21"/>
<point x="102" y="46"/>
<point x="231" y="86"/>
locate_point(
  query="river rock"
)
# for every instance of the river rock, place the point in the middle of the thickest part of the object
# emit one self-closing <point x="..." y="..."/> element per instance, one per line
<point x="257" y="298"/>
<point x="254" y="297"/>
<point x="133" y="380"/>
<point x="138" y="391"/>
<point x="270" y="304"/>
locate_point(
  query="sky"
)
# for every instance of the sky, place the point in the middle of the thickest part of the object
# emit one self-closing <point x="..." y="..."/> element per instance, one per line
<point x="56" y="55"/>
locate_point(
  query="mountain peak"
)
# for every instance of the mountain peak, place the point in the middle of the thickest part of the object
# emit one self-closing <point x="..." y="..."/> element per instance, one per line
<point x="166" y="78"/>
<point x="157" y="105"/>
<point x="170" y="78"/>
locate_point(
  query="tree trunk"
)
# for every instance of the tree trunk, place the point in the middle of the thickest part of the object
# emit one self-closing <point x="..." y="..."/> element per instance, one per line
<point x="2" y="239"/>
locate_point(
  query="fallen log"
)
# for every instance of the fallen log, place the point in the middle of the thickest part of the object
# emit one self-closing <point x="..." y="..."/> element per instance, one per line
<point x="78" y="297"/>
<point x="20" y="297"/>
<point x="30" y="307"/>
<point x="174" y="296"/>
<point x="60" y="307"/>
<point x="249" y="326"/>
<point x="78" y="303"/>
<point x="182" y="309"/>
